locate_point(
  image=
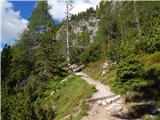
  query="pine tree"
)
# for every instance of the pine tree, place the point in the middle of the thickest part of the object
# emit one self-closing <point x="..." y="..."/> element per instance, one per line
<point x="39" y="43"/>
<point x="6" y="62"/>
<point x="40" y="17"/>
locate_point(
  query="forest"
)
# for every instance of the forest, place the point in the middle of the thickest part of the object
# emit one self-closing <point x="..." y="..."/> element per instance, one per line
<point x="36" y="81"/>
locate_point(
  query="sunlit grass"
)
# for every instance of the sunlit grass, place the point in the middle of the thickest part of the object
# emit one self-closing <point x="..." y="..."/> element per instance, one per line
<point x="68" y="98"/>
<point x="95" y="70"/>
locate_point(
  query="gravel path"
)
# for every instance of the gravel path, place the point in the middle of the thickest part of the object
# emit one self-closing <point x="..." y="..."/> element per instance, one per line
<point x="104" y="109"/>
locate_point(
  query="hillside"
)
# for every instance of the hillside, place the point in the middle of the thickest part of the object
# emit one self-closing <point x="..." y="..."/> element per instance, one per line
<point x="116" y="47"/>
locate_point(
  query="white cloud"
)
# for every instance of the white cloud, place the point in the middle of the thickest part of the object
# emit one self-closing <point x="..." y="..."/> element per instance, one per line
<point x="58" y="7"/>
<point x="12" y="23"/>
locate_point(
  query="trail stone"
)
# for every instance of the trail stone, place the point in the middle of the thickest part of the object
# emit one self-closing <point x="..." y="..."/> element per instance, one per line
<point x="105" y="107"/>
<point x="99" y="102"/>
<point x="104" y="103"/>
<point x="108" y="101"/>
<point x="119" y="102"/>
<point x="118" y="97"/>
<point x="115" y="98"/>
<point x="104" y="72"/>
<point x="108" y="108"/>
<point x="116" y="109"/>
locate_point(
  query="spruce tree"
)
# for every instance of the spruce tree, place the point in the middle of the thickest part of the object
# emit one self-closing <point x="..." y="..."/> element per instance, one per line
<point x="6" y="61"/>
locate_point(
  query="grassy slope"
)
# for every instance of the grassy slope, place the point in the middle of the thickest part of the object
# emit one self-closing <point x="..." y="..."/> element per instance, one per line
<point x="68" y="97"/>
<point x="152" y="67"/>
<point x="151" y="60"/>
<point x="151" y="63"/>
<point x="95" y="69"/>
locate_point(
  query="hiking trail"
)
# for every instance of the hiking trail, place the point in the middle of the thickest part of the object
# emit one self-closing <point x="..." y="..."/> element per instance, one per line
<point x="104" y="104"/>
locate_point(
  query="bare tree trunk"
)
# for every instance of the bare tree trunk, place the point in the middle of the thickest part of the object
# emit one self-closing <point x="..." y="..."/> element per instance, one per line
<point x="137" y="20"/>
<point x="68" y="52"/>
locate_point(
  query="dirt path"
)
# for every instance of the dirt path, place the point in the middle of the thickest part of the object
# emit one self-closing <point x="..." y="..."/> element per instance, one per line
<point x="105" y="109"/>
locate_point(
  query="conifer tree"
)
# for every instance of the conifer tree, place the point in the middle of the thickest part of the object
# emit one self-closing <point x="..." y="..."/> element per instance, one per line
<point x="6" y="61"/>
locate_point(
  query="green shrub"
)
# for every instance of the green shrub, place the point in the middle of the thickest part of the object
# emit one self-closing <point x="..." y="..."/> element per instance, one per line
<point x="123" y="87"/>
<point x="129" y="68"/>
<point x="129" y="75"/>
<point x="151" y="42"/>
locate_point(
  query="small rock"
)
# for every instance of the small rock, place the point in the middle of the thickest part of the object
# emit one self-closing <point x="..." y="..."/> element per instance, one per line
<point x="104" y="72"/>
<point x="112" y="99"/>
<point x="103" y="66"/>
<point x="52" y="92"/>
<point x="117" y="108"/>
<point x="108" y="101"/>
<point x="108" y="108"/>
<point x="106" y="64"/>
<point x="104" y="103"/>
<point x="118" y="96"/>
<point x="156" y="111"/>
<point x="53" y="107"/>
<point x="119" y="102"/>
<point x="114" y="107"/>
<point x="99" y="102"/>
<point x="115" y="98"/>
<point x="114" y="63"/>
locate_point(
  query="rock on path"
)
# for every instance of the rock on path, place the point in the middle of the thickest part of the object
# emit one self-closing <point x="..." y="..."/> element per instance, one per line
<point x="102" y="109"/>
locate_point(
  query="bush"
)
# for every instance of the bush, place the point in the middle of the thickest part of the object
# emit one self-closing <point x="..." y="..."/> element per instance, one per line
<point x="124" y="87"/>
<point x="150" y="41"/>
<point x="129" y="68"/>
<point x="129" y="75"/>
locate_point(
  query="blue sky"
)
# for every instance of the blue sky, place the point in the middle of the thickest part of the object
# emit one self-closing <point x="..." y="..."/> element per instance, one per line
<point x="26" y="8"/>
<point x="15" y="15"/>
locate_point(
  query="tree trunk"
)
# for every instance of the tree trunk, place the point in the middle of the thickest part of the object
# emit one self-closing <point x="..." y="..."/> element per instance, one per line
<point x="137" y="19"/>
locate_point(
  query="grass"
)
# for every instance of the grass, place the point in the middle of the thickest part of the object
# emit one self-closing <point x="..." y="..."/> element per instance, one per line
<point x="68" y="97"/>
<point x="150" y="59"/>
<point x="95" y="70"/>
<point x="145" y="88"/>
